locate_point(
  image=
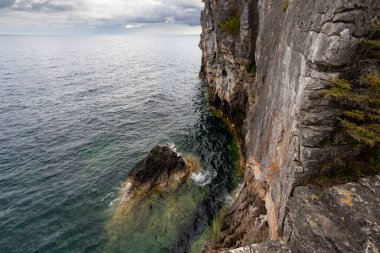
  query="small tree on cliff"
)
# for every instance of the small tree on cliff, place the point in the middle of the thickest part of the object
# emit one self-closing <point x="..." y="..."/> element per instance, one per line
<point x="360" y="99"/>
<point x="361" y="103"/>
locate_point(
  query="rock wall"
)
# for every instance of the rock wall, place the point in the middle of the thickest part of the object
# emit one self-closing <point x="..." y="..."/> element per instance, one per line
<point x="281" y="117"/>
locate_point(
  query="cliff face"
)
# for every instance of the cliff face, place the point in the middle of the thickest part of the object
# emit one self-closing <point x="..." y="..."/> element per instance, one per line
<point x="268" y="80"/>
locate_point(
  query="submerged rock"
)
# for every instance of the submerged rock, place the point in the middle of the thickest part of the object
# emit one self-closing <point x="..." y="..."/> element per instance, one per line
<point x="162" y="170"/>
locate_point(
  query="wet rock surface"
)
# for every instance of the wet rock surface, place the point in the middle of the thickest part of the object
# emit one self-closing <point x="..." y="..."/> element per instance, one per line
<point x="162" y="170"/>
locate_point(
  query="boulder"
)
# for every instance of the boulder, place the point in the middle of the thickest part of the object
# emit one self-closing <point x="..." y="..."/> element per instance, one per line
<point x="161" y="170"/>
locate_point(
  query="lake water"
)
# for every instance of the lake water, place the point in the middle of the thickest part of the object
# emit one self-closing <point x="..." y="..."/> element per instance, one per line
<point x="76" y="114"/>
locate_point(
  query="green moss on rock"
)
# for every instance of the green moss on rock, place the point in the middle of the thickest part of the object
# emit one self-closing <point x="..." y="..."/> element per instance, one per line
<point x="232" y="24"/>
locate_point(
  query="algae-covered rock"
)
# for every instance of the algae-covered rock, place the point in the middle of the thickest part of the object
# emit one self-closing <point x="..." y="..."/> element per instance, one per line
<point x="162" y="170"/>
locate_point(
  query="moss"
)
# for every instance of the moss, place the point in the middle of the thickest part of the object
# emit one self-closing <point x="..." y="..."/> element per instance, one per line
<point x="217" y="113"/>
<point x="232" y="24"/>
<point x="251" y="68"/>
<point x="217" y="222"/>
<point x="159" y="215"/>
<point x="234" y="146"/>
<point x="285" y="5"/>
<point x="197" y="245"/>
<point x="211" y="233"/>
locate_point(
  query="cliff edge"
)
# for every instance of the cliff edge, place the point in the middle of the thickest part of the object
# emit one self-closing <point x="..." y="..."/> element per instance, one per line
<point x="265" y="64"/>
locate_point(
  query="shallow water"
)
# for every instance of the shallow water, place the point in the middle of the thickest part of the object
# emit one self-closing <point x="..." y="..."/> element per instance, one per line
<point x="76" y="114"/>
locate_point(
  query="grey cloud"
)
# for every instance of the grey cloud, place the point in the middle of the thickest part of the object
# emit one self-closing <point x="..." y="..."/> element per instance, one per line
<point x="6" y="3"/>
<point x="102" y="15"/>
<point x="183" y="14"/>
<point x="42" y="6"/>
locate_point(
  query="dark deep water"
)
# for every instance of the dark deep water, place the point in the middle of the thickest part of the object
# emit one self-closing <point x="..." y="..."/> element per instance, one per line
<point x="76" y="114"/>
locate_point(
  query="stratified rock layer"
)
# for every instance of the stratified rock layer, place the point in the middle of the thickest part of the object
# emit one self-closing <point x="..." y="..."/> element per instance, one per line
<point x="280" y="114"/>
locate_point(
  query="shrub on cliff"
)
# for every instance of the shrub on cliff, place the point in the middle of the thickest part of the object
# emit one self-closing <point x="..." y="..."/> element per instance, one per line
<point x="360" y="98"/>
<point x="232" y="24"/>
<point x="360" y="101"/>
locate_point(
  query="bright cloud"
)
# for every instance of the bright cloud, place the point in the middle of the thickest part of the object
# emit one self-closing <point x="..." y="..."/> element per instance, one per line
<point x="113" y="16"/>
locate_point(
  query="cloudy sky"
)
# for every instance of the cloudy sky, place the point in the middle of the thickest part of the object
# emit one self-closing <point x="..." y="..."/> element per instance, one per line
<point x="99" y="16"/>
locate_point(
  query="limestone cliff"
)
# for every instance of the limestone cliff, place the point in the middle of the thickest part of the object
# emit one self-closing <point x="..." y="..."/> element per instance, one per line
<point x="267" y="77"/>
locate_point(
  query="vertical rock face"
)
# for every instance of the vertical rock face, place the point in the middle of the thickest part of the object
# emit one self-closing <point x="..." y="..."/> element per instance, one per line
<point x="282" y="119"/>
<point x="225" y="56"/>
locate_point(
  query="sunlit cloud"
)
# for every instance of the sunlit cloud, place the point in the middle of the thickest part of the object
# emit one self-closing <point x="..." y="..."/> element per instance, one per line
<point x="98" y="16"/>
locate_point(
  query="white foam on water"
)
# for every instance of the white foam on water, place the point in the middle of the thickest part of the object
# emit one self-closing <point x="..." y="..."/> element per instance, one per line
<point x="229" y="200"/>
<point x="107" y="196"/>
<point x="203" y="177"/>
<point x="174" y="148"/>
<point x="113" y="201"/>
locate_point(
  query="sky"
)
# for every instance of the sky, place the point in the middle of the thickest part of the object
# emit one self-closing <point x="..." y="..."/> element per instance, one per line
<point x="100" y="16"/>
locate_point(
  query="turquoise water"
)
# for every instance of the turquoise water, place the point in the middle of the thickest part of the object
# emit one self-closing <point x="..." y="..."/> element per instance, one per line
<point x="76" y="114"/>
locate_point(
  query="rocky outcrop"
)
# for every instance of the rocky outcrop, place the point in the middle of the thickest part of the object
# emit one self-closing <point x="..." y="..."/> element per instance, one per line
<point x="281" y="116"/>
<point x="344" y="218"/>
<point x="267" y="247"/>
<point x="161" y="170"/>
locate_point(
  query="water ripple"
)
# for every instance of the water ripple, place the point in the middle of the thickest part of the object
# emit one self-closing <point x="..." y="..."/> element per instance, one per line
<point x="75" y="119"/>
